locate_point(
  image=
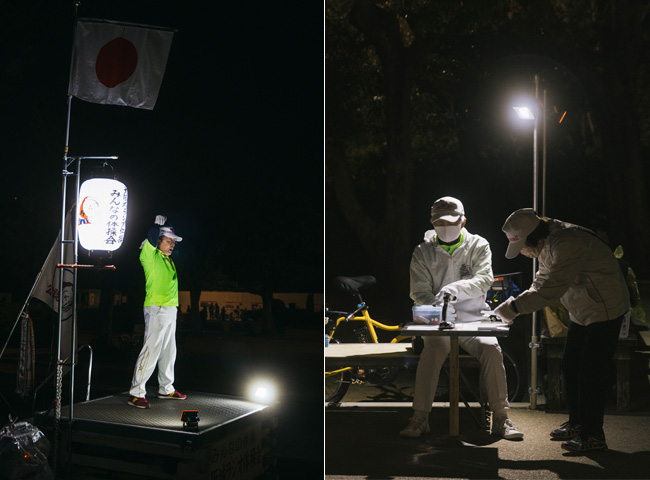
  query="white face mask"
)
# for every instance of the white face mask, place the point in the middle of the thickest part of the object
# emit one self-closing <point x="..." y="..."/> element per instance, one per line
<point x="448" y="233"/>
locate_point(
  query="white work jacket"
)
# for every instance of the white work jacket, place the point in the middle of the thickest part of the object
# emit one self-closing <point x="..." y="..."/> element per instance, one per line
<point x="468" y="269"/>
<point x="579" y="270"/>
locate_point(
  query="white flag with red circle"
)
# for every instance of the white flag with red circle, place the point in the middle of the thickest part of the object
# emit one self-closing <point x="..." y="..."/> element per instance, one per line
<point x="118" y="64"/>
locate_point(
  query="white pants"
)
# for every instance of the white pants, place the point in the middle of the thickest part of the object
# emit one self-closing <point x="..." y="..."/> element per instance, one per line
<point x="159" y="348"/>
<point x="493" y="373"/>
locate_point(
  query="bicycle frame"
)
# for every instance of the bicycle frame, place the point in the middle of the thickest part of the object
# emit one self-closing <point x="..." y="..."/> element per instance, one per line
<point x="352" y="374"/>
<point x="370" y="324"/>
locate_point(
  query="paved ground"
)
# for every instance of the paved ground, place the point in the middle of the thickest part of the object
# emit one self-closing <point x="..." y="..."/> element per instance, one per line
<point x="363" y="443"/>
<point x="362" y="440"/>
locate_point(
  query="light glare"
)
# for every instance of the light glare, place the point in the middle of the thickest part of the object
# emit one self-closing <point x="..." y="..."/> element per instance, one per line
<point x="262" y="391"/>
<point x="524" y="113"/>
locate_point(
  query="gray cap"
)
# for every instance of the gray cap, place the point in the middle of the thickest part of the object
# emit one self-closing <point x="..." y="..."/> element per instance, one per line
<point x="518" y="226"/>
<point x="447" y="208"/>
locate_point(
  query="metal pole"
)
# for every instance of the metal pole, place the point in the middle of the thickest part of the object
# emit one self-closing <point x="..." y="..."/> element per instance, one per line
<point x="534" y="342"/>
<point x="59" y="366"/>
<point x="544" y="156"/>
<point x="59" y="371"/>
<point x="73" y="333"/>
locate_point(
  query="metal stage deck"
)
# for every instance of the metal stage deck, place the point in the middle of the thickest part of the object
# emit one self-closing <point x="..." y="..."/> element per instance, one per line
<point x="234" y="438"/>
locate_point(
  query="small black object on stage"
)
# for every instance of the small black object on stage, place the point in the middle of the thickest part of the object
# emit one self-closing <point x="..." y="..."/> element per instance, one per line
<point x="190" y="419"/>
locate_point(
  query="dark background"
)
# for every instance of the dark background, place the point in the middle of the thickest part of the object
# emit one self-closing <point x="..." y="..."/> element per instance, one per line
<point x="419" y="106"/>
<point x="232" y="154"/>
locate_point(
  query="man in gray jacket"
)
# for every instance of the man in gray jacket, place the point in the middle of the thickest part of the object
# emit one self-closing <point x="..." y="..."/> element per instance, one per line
<point x="580" y="271"/>
<point x="453" y="261"/>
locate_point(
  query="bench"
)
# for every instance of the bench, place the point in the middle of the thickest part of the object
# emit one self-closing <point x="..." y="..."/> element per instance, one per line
<point x="553" y="348"/>
<point x="368" y="354"/>
<point x="339" y="355"/>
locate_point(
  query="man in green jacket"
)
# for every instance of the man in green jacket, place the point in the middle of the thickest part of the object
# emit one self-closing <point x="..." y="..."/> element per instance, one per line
<point x="160" y="309"/>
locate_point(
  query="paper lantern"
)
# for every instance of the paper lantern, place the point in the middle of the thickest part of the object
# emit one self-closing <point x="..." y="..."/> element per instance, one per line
<point x="101" y="220"/>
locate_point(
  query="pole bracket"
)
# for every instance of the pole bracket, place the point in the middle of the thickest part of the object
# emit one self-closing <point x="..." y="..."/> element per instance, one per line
<point x="89" y="267"/>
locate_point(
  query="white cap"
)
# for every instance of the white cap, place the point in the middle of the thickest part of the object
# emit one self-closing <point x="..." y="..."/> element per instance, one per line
<point x="169" y="232"/>
<point x="447" y="208"/>
<point x="518" y="226"/>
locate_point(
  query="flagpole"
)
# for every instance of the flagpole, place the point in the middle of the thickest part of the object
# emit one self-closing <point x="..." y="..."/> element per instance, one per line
<point x="63" y="241"/>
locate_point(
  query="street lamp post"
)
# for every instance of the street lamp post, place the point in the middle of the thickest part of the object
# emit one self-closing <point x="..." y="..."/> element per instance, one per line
<point x="527" y="114"/>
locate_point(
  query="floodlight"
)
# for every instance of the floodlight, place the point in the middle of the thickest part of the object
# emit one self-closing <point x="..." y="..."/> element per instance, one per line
<point x="190" y="419"/>
<point x="262" y="391"/>
<point x="524" y="113"/>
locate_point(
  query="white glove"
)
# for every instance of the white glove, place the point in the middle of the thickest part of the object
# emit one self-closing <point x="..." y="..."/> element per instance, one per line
<point x="160" y="220"/>
<point x="505" y="312"/>
<point x="446" y="290"/>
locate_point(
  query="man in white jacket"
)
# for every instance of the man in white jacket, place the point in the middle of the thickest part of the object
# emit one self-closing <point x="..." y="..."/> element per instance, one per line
<point x="453" y="261"/>
<point x="577" y="269"/>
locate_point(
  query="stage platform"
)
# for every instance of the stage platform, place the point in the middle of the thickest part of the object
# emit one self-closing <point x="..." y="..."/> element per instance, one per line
<point x="234" y="438"/>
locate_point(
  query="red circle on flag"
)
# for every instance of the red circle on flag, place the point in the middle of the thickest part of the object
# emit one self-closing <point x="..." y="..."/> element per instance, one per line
<point x="116" y="62"/>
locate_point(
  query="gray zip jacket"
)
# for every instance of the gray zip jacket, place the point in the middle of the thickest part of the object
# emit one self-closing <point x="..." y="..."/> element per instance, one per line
<point x="468" y="269"/>
<point x="580" y="271"/>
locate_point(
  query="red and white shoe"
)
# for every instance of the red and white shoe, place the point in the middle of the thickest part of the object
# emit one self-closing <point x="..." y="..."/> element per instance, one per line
<point x="175" y="395"/>
<point x="139" y="402"/>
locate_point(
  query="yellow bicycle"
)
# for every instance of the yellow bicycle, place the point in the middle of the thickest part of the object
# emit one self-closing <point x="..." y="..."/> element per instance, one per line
<point x="361" y="330"/>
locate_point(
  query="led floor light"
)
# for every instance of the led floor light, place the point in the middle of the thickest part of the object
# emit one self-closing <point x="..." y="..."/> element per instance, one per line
<point x="190" y="419"/>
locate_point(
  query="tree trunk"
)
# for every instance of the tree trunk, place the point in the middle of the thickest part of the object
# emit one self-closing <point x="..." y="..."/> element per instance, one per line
<point x="628" y="201"/>
<point x="390" y="256"/>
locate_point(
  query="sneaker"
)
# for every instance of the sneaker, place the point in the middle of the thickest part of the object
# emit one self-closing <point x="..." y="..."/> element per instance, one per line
<point x="566" y="431"/>
<point x="583" y="444"/>
<point x="139" y="402"/>
<point x="175" y="395"/>
<point x="506" y="429"/>
<point x="416" y="427"/>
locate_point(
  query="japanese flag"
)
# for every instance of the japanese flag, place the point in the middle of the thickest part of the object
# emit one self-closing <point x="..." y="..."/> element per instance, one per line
<point x="117" y="64"/>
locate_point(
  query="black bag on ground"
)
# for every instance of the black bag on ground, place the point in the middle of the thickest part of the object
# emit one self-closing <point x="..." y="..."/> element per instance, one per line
<point x="23" y="453"/>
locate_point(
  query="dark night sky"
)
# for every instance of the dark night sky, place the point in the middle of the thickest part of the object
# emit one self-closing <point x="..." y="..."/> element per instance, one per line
<point x="231" y="153"/>
<point x="464" y="140"/>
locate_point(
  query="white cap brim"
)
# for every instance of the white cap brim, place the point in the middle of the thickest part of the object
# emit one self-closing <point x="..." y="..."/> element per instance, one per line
<point x="448" y="218"/>
<point x="167" y="232"/>
<point x="514" y="248"/>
